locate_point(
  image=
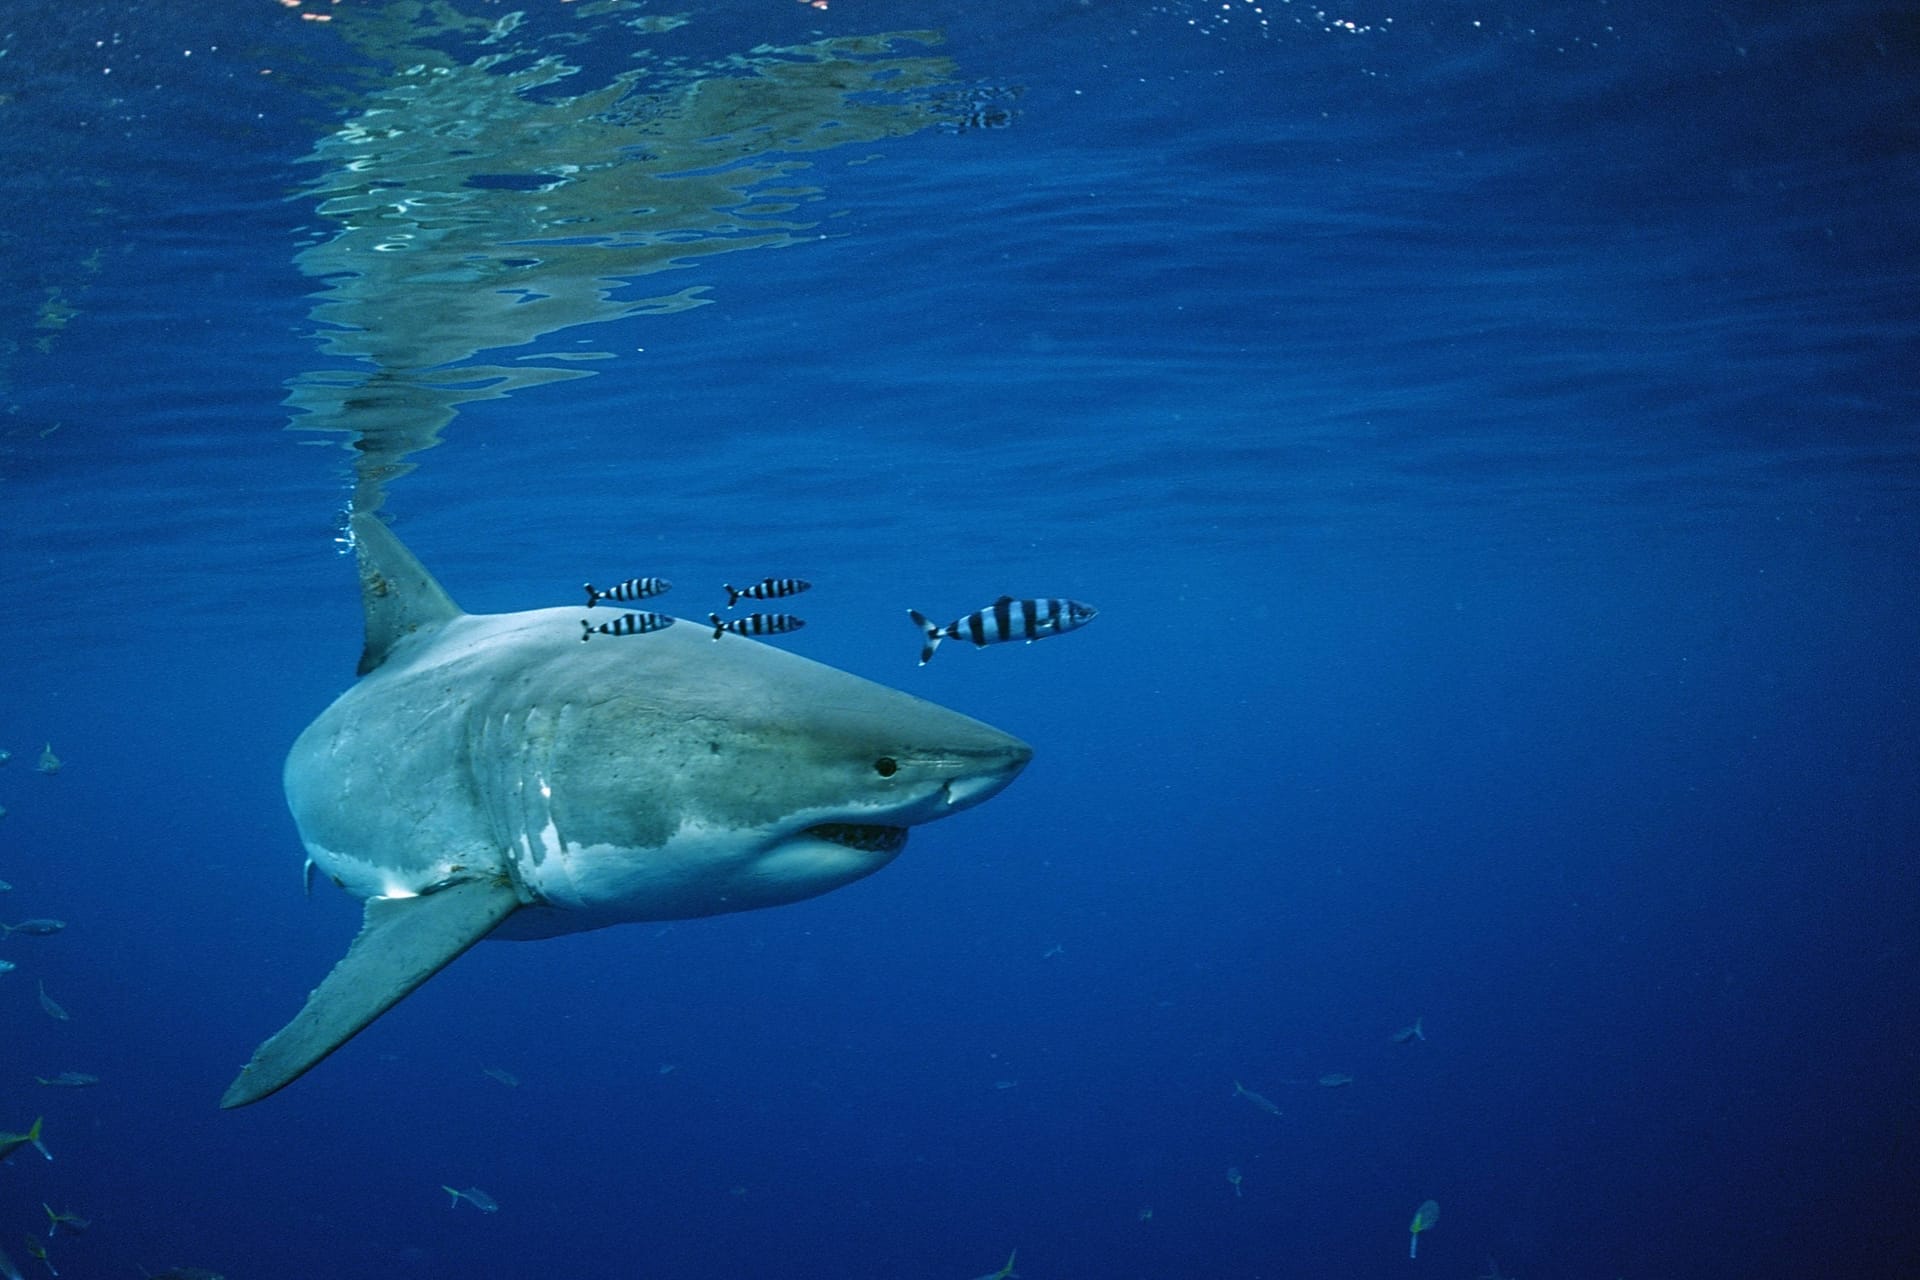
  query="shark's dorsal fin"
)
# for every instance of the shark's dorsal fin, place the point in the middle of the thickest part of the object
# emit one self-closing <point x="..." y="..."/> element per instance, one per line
<point x="398" y="593"/>
<point x="403" y="942"/>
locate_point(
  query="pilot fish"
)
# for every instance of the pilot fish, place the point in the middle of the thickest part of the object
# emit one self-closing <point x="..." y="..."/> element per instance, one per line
<point x="631" y="589"/>
<point x="1006" y="619"/>
<point x="755" y="624"/>
<point x="627" y="624"/>
<point x="766" y="589"/>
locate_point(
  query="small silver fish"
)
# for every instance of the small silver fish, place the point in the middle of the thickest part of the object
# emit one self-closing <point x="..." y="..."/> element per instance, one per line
<point x="52" y="1007"/>
<point x="756" y="624"/>
<point x="7" y="966"/>
<point x="1336" y="1080"/>
<point x="5" y="755"/>
<point x="12" y="1142"/>
<point x="1258" y="1100"/>
<point x="5" y="887"/>
<point x="69" y="1080"/>
<point x="1003" y="1272"/>
<point x="73" y="1222"/>
<point x="627" y="624"/>
<point x="631" y="589"/>
<point x="38" y="928"/>
<point x="49" y="762"/>
<point x="1006" y="619"/>
<point x="1407" y="1034"/>
<point x="503" y="1075"/>
<point x="766" y="589"/>
<point x="473" y="1196"/>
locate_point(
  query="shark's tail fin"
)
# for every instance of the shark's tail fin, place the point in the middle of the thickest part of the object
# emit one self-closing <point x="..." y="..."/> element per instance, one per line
<point x="933" y="635"/>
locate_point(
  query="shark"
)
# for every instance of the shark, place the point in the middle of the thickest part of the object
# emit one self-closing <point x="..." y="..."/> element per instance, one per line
<point x="489" y="776"/>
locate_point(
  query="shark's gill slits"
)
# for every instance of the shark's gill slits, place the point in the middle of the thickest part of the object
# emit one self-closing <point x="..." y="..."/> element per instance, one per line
<point x="868" y="839"/>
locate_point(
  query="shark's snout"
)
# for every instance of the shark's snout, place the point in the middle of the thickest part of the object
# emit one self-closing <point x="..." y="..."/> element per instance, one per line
<point x="987" y="774"/>
<point x="978" y="774"/>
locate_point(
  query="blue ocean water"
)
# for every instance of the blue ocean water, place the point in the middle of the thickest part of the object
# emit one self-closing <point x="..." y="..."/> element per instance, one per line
<point x="1491" y="435"/>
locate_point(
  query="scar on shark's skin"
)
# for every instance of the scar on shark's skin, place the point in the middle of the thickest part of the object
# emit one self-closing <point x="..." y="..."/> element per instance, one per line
<point x="503" y="779"/>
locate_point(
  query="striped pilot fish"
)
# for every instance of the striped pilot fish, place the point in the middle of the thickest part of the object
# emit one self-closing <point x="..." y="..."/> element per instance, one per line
<point x="755" y="624"/>
<point x="627" y="624"/>
<point x="631" y="589"/>
<point x="766" y="589"/>
<point x="1006" y="619"/>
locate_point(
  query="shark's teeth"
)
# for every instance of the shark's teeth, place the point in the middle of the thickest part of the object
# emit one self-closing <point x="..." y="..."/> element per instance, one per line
<point x="868" y="839"/>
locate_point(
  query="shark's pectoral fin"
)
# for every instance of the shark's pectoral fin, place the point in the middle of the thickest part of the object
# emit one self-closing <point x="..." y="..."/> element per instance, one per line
<point x="403" y="942"/>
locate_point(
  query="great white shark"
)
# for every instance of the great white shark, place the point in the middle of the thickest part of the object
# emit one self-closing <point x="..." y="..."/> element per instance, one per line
<point x="492" y="776"/>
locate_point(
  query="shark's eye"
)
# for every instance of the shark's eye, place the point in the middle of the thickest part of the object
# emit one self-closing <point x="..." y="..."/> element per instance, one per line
<point x="886" y="766"/>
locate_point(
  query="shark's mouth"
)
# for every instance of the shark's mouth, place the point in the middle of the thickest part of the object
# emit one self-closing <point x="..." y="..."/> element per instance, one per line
<point x="866" y="838"/>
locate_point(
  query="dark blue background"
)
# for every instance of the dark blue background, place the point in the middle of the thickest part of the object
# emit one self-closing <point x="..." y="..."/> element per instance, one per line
<point x="1490" y="439"/>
